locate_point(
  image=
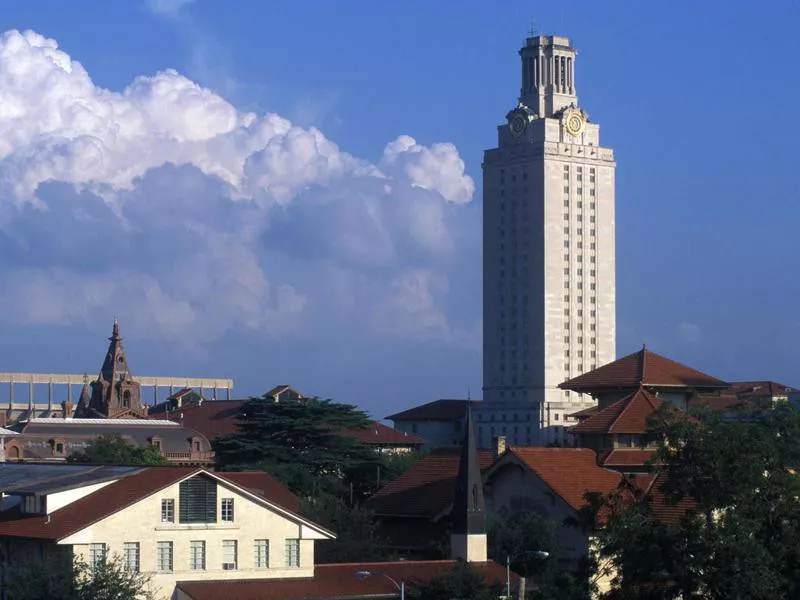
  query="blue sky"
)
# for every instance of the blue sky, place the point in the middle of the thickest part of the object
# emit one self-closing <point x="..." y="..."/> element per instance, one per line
<point x="318" y="219"/>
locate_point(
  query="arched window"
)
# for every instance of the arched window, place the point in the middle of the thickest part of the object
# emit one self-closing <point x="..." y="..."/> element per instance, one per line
<point x="126" y="399"/>
<point x="13" y="452"/>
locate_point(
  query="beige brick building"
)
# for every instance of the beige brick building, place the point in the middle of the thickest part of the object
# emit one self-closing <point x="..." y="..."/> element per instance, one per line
<point x="173" y="523"/>
<point x="548" y="248"/>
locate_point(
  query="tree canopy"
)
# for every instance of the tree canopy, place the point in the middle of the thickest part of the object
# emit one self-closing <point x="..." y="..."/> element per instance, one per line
<point x="113" y="449"/>
<point x="304" y="443"/>
<point x="737" y="478"/>
<point x="58" y="578"/>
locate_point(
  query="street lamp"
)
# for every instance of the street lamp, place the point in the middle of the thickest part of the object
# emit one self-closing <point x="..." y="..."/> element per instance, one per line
<point x="400" y="587"/>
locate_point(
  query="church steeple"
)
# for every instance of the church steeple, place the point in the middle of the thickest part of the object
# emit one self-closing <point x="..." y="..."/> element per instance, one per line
<point x="115" y="394"/>
<point x="468" y="538"/>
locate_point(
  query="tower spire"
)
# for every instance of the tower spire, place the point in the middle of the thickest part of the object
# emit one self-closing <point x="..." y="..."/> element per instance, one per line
<point x="468" y="539"/>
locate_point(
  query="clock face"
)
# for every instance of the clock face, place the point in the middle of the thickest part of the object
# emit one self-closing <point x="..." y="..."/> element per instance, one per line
<point x="574" y="124"/>
<point x="517" y="125"/>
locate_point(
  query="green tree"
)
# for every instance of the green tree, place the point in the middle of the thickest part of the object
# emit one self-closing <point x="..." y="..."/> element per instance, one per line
<point x="357" y="538"/>
<point x="459" y="581"/>
<point x="58" y="578"/>
<point x="300" y="442"/>
<point x="737" y="479"/>
<point x="522" y="538"/>
<point x="113" y="449"/>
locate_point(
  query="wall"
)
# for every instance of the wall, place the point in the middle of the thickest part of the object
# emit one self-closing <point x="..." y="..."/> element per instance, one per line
<point x="142" y="523"/>
<point x="513" y="488"/>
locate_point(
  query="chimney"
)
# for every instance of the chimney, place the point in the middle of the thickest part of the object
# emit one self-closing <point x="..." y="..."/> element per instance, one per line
<point x="67" y="407"/>
<point x="499" y="446"/>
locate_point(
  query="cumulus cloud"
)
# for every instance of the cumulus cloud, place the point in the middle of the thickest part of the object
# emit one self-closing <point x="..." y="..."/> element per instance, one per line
<point x="167" y="205"/>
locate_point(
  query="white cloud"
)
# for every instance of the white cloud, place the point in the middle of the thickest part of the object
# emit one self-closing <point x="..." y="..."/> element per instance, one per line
<point x="167" y="205"/>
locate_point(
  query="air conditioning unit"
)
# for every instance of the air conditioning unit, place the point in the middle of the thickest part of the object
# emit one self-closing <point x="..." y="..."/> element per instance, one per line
<point x="228" y="566"/>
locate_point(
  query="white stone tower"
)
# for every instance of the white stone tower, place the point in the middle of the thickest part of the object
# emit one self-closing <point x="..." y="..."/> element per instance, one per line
<point x="549" y="299"/>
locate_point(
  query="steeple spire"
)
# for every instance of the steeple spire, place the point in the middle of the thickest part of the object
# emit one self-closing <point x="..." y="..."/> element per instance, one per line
<point x="115" y="394"/>
<point x="468" y="539"/>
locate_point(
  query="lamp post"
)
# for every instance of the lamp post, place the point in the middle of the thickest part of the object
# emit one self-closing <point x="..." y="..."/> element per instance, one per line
<point x="400" y="587"/>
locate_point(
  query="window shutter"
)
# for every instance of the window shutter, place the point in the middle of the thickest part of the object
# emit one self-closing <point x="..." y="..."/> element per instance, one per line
<point x="198" y="500"/>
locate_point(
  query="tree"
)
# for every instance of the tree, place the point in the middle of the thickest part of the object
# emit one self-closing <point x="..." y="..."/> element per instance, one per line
<point x="521" y="538"/>
<point x="59" y="578"/>
<point x="300" y="442"/>
<point x="113" y="449"/>
<point x="737" y="479"/>
<point x="460" y="581"/>
<point x="357" y="538"/>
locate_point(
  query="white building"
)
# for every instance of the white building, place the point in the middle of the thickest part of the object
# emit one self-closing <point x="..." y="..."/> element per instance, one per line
<point x="548" y="249"/>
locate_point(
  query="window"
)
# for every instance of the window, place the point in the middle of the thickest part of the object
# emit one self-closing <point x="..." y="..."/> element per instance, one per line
<point x="97" y="555"/>
<point x="130" y="556"/>
<point x="555" y="416"/>
<point x="566" y="189"/>
<point x="197" y="555"/>
<point x="591" y="192"/>
<point x="261" y="554"/>
<point x="198" y="500"/>
<point x="227" y="510"/>
<point x="229" y="555"/>
<point x="566" y="297"/>
<point x="292" y="553"/>
<point x="566" y="230"/>
<point x="566" y="243"/>
<point x="164" y="556"/>
<point x="168" y="510"/>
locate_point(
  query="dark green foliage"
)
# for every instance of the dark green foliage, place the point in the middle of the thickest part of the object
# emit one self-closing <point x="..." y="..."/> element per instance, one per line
<point x="741" y="539"/>
<point x="368" y="477"/>
<point x="357" y="538"/>
<point x="113" y="449"/>
<point x="460" y="581"/>
<point x="303" y="443"/>
<point x="57" y="579"/>
<point x="521" y="538"/>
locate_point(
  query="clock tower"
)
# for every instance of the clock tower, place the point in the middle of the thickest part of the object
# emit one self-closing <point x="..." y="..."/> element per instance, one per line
<point x="549" y="296"/>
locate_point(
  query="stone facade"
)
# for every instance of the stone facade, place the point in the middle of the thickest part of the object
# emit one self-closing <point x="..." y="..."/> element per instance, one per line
<point x="549" y="257"/>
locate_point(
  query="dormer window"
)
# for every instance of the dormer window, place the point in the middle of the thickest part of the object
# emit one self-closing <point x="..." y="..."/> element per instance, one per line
<point x="156" y="442"/>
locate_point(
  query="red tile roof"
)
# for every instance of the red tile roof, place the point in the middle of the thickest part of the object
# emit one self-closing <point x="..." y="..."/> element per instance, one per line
<point x="586" y="412"/>
<point x="626" y="457"/>
<point x="265" y="485"/>
<point x="217" y="418"/>
<point x="119" y="495"/>
<point x="642" y="368"/>
<point x="212" y="418"/>
<point x="438" y="410"/>
<point x="337" y="581"/>
<point x="760" y="388"/>
<point x="381" y="435"/>
<point x="660" y="508"/>
<point x="569" y="472"/>
<point x="628" y="415"/>
<point x="426" y="489"/>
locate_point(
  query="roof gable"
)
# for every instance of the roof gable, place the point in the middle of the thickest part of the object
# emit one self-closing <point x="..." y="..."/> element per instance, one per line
<point x="426" y="489"/>
<point x="628" y="415"/>
<point x="569" y="472"/>
<point x="642" y="368"/>
<point x="125" y="492"/>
